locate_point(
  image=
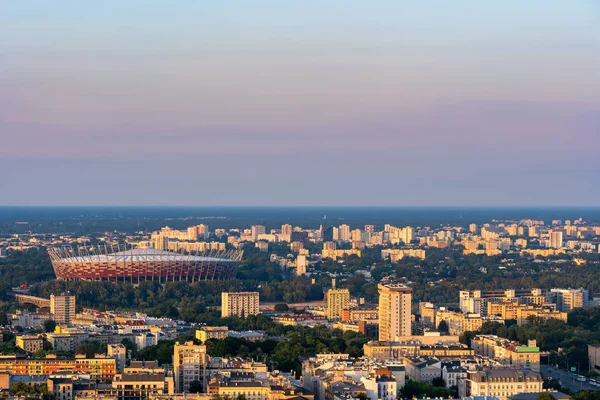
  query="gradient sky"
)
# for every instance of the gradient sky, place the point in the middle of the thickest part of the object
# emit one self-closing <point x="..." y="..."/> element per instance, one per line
<point x="443" y="102"/>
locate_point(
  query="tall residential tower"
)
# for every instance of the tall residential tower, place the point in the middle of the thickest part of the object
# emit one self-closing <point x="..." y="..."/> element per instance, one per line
<point x="394" y="311"/>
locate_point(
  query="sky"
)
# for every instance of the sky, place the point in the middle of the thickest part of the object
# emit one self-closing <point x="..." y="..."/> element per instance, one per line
<point x="456" y="103"/>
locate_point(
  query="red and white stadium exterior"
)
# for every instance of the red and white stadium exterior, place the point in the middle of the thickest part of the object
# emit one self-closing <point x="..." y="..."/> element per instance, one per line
<point x="135" y="265"/>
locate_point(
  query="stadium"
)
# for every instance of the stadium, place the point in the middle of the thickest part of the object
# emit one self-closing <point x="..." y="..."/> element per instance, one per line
<point x="135" y="265"/>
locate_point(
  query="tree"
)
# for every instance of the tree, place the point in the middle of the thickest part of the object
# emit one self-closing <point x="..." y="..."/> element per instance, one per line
<point x="91" y="348"/>
<point x="466" y="337"/>
<point x="281" y="307"/>
<point x="195" y="387"/>
<point x="49" y="326"/>
<point x="130" y="346"/>
<point x="439" y="381"/>
<point x="545" y="396"/>
<point x="443" y="327"/>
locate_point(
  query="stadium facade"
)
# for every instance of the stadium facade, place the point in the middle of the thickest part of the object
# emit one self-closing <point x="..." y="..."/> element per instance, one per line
<point x="135" y="265"/>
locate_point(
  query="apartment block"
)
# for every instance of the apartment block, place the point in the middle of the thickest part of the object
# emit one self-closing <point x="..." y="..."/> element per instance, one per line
<point x="338" y="300"/>
<point x="241" y="304"/>
<point x="212" y="332"/>
<point x="189" y="365"/>
<point x="508" y="352"/>
<point x="29" y="343"/>
<point x="62" y="308"/>
<point x="395" y="316"/>
<point x="500" y="383"/>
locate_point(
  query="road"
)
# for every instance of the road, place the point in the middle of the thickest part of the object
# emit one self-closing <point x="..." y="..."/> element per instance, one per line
<point x="566" y="379"/>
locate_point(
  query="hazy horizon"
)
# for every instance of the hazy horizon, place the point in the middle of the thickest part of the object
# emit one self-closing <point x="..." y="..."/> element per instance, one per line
<point x="147" y="103"/>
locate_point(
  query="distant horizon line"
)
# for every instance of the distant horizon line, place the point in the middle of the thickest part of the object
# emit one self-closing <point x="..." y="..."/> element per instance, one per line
<point x="302" y="206"/>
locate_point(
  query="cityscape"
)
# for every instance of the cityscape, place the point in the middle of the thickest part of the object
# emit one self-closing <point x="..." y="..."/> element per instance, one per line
<point x="300" y="200"/>
<point x="496" y="310"/>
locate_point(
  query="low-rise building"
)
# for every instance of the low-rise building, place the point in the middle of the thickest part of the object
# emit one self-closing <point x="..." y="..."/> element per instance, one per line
<point x="507" y="352"/>
<point x="422" y="369"/>
<point x="453" y="375"/>
<point x="100" y="367"/>
<point x="212" y="332"/>
<point x="501" y="383"/>
<point x="30" y="343"/>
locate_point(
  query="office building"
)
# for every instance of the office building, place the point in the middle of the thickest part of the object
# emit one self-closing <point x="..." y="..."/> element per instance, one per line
<point x="241" y="304"/>
<point x="394" y="311"/>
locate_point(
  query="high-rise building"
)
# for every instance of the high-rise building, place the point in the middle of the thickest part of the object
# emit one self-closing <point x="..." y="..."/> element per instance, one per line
<point x="335" y="233"/>
<point x="344" y="233"/>
<point x="286" y="232"/>
<point x="473" y="228"/>
<point x="338" y="300"/>
<point x="556" y="239"/>
<point x="203" y="231"/>
<point x="192" y="233"/>
<point x="395" y="302"/>
<point x="407" y="234"/>
<point x="161" y="242"/>
<point x="189" y="365"/>
<point x="241" y="304"/>
<point x="301" y="264"/>
<point x="62" y="308"/>
<point x="258" y="230"/>
<point x="329" y="246"/>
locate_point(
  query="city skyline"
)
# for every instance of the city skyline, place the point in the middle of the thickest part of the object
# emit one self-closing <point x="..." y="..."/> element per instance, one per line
<point x="265" y="103"/>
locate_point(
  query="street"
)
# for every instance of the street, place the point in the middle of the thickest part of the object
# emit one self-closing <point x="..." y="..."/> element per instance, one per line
<point x="566" y="379"/>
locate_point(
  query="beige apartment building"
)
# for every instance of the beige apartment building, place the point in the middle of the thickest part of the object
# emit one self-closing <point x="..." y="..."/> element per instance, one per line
<point x="501" y="383"/>
<point x="189" y="365"/>
<point x="62" y="308"/>
<point x="395" y="315"/>
<point x="338" y="300"/>
<point x="212" y="332"/>
<point x="241" y="304"/>
<point x="29" y="343"/>
<point x="508" y="352"/>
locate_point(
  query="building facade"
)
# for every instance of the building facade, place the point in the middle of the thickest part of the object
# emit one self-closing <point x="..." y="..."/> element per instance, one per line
<point x="189" y="365"/>
<point x="241" y="304"/>
<point x="338" y="300"/>
<point x="394" y="311"/>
